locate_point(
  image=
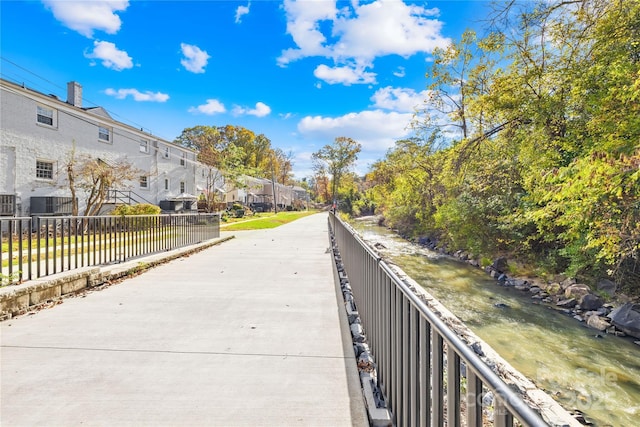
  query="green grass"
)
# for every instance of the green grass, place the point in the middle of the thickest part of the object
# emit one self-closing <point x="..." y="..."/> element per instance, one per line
<point x="271" y="221"/>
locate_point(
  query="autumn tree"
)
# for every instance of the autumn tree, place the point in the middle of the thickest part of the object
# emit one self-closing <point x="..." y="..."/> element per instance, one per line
<point x="336" y="160"/>
<point x="222" y="158"/>
<point x="545" y="166"/>
<point x="94" y="177"/>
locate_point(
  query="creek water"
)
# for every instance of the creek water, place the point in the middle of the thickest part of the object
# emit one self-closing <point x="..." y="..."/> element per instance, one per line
<point x="582" y="368"/>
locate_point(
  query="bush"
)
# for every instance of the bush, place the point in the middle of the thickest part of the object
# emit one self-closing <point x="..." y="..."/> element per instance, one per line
<point x="139" y="209"/>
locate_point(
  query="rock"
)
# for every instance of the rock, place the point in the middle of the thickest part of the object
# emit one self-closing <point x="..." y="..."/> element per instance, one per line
<point x="477" y="348"/>
<point x="567" y="303"/>
<point x="500" y="305"/>
<point x="578" y="318"/>
<point x="554" y="288"/>
<point x="576" y="291"/>
<point x="597" y="322"/>
<point x="424" y="241"/>
<point x="502" y="278"/>
<point x="606" y="286"/>
<point x="521" y="285"/>
<point x="534" y="290"/>
<point x="627" y="319"/>
<point x="591" y="302"/>
<point x="500" y="264"/>
<point x="567" y="282"/>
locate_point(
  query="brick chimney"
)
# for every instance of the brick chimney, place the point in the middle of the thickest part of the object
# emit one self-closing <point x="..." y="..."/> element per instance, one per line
<point x="74" y="94"/>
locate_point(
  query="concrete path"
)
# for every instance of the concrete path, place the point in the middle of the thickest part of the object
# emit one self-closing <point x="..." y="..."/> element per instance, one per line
<point x="251" y="332"/>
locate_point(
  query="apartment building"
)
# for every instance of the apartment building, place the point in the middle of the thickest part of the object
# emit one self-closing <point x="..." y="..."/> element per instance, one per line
<point x="39" y="132"/>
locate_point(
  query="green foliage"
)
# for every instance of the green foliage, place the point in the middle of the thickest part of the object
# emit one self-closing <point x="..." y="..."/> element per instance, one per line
<point x="139" y="209"/>
<point x="9" y="279"/>
<point x="336" y="160"/>
<point x="538" y="157"/>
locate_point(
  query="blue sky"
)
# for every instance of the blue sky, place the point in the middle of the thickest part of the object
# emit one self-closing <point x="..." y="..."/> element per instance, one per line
<point x="300" y="72"/>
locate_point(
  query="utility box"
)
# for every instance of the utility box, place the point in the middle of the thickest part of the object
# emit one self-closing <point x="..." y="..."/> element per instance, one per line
<point x="51" y="205"/>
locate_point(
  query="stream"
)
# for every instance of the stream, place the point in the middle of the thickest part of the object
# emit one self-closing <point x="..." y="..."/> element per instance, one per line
<point x="582" y="368"/>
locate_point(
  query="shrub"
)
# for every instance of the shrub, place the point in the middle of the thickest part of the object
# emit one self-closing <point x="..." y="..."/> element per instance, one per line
<point x="139" y="209"/>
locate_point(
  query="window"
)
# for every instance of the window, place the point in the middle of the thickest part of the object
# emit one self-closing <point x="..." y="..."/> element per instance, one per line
<point x="166" y="152"/>
<point x="44" y="170"/>
<point x="45" y="116"/>
<point x="183" y="159"/>
<point x="144" y="146"/>
<point x="144" y="183"/>
<point x="104" y="134"/>
<point x="182" y="187"/>
<point x="166" y="183"/>
<point x="7" y="204"/>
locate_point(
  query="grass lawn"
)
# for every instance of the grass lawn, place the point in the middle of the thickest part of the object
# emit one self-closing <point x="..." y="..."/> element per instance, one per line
<point x="262" y="222"/>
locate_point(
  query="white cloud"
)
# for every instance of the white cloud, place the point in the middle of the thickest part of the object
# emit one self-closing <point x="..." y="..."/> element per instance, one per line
<point x="241" y="11"/>
<point x="399" y="99"/>
<point x="303" y="24"/>
<point x="400" y="72"/>
<point x="137" y="95"/>
<point x="260" y="110"/>
<point x="195" y="59"/>
<point x="110" y="56"/>
<point x="345" y="75"/>
<point x="213" y="106"/>
<point x="87" y="16"/>
<point x="376" y="130"/>
<point x="318" y="28"/>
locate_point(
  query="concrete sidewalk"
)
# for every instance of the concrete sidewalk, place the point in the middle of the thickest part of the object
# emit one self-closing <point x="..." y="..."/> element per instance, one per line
<point x="251" y="332"/>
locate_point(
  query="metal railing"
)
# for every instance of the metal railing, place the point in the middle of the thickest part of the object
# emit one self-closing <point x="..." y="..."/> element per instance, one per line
<point x="34" y="247"/>
<point x="410" y="344"/>
<point x="125" y="197"/>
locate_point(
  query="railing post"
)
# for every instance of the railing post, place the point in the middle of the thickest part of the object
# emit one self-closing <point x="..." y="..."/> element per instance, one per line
<point x="453" y="387"/>
<point x="425" y="372"/>
<point x="474" y="399"/>
<point x="437" y="410"/>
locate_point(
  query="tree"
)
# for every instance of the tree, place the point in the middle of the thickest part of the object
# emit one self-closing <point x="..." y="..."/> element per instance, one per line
<point x="95" y="177"/>
<point x="222" y="158"/>
<point x="336" y="160"/>
<point x="546" y="166"/>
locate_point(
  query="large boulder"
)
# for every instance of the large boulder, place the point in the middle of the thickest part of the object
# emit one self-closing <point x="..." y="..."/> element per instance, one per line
<point x="606" y="286"/>
<point x="627" y="319"/>
<point x="590" y="302"/>
<point x="596" y="322"/>
<point x="500" y="264"/>
<point x="576" y="291"/>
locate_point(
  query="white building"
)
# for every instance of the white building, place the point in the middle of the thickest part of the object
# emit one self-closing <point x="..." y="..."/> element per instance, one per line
<point x="39" y="132"/>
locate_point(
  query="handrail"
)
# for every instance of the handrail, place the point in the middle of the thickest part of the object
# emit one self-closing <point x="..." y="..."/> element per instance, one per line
<point x="126" y="196"/>
<point x="407" y="341"/>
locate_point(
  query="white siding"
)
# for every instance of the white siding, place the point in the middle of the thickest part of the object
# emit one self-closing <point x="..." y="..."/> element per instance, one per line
<point x="23" y="141"/>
